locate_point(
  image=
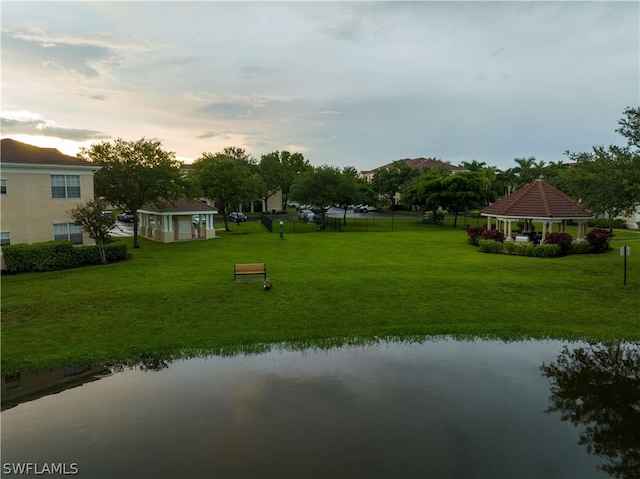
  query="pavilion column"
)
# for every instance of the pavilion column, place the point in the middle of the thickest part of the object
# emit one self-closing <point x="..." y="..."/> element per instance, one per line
<point x="488" y="222"/>
<point x="508" y="235"/>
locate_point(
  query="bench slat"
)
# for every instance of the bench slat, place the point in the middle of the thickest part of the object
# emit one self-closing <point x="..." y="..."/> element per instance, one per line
<point x="241" y="269"/>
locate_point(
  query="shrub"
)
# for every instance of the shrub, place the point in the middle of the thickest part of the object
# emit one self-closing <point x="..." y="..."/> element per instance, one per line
<point x="580" y="248"/>
<point x="598" y="238"/>
<point x="489" y="246"/>
<point x="546" y="251"/>
<point x="519" y="249"/>
<point x="474" y="233"/>
<point x="48" y="256"/>
<point x="495" y="235"/>
<point x="563" y="240"/>
<point x="57" y="255"/>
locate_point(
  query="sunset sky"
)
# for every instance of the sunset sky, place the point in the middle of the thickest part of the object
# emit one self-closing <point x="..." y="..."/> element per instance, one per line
<point x="345" y="83"/>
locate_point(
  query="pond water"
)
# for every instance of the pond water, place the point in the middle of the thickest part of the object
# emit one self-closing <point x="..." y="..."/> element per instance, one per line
<point x="434" y="409"/>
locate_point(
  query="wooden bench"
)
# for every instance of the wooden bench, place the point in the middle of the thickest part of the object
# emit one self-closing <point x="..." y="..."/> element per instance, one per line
<point x="249" y="269"/>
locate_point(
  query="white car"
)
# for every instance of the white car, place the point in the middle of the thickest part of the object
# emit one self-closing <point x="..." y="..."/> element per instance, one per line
<point x="364" y="208"/>
<point x="306" y="215"/>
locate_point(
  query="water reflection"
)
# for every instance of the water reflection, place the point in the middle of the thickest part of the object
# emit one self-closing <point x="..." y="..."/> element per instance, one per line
<point x="598" y="387"/>
<point x="437" y="409"/>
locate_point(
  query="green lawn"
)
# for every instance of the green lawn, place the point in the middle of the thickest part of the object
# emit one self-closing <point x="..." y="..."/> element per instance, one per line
<point x="328" y="288"/>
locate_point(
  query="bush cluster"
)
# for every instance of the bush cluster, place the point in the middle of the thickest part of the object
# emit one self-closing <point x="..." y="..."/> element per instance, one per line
<point x="598" y="238"/>
<point x="495" y="235"/>
<point x="474" y="233"/>
<point x="56" y="255"/>
<point x="563" y="240"/>
<point x="519" y="249"/>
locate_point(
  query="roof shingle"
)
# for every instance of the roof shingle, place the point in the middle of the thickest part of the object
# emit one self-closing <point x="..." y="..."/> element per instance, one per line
<point x="12" y="151"/>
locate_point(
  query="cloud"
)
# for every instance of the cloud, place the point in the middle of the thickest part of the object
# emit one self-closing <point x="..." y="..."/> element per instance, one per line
<point x="39" y="127"/>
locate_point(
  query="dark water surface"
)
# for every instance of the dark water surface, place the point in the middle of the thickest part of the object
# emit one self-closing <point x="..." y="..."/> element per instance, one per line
<point x="438" y="409"/>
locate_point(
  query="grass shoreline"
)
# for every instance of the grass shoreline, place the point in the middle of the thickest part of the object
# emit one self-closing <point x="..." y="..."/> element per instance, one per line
<point x="328" y="289"/>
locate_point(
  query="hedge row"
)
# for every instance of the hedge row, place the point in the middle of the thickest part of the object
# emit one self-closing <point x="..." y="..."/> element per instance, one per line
<point x="57" y="255"/>
<point x="519" y="249"/>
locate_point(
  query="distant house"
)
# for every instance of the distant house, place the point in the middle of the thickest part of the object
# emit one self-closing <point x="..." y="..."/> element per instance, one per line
<point x="418" y="163"/>
<point x="38" y="187"/>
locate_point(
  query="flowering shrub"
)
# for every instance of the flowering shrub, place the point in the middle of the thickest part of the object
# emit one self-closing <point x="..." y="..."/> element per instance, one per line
<point x="563" y="240"/>
<point x="495" y="235"/>
<point x="598" y="238"/>
<point x="474" y="233"/>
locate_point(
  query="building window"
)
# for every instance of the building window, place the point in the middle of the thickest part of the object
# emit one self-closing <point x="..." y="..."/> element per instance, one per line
<point x="3" y="187"/>
<point x="65" y="186"/>
<point x="5" y="238"/>
<point x="68" y="232"/>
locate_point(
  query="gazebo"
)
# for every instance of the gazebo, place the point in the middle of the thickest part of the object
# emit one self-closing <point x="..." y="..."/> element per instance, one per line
<point x="181" y="220"/>
<point x="538" y="202"/>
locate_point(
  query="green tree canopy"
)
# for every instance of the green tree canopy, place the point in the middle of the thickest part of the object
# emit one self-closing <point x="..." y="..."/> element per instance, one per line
<point x="135" y="173"/>
<point x="387" y="182"/>
<point x="228" y="180"/>
<point x="608" y="179"/>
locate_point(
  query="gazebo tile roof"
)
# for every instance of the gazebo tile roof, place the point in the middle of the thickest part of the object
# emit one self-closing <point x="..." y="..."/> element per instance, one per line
<point x="182" y="205"/>
<point x="537" y="200"/>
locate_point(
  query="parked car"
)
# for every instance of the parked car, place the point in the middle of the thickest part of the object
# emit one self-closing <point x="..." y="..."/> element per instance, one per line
<point x="237" y="216"/>
<point x="306" y="215"/>
<point x="364" y="208"/>
<point x="108" y="215"/>
<point x="126" y="216"/>
<point x="195" y="218"/>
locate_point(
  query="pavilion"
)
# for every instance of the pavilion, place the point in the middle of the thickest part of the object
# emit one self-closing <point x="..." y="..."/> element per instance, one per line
<point x="538" y="202"/>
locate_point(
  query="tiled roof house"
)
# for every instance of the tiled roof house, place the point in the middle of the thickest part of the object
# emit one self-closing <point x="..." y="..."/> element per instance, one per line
<point x="38" y="187"/>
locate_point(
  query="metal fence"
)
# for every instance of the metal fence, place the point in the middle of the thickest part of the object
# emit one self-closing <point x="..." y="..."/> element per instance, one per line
<point x="370" y="222"/>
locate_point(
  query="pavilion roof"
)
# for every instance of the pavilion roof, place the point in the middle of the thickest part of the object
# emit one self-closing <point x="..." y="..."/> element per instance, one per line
<point x="537" y="200"/>
<point x="181" y="205"/>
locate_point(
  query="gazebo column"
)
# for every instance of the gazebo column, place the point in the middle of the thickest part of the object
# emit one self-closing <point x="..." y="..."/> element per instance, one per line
<point x="488" y="222"/>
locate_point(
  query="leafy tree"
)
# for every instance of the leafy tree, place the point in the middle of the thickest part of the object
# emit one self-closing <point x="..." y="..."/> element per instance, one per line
<point x="605" y="180"/>
<point x="464" y="190"/>
<point x="277" y="173"/>
<point x="292" y="164"/>
<point x="89" y="216"/>
<point x="320" y="186"/>
<point x="598" y="388"/>
<point x="135" y="173"/>
<point x="424" y="190"/>
<point x="229" y="180"/>
<point x="608" y="179"/>
<point x="388" y="182"/>
<point x="352" y="190"/>
<point x="630" y="126"/>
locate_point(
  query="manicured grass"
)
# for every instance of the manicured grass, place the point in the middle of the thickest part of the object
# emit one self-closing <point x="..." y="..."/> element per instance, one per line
<point x="328" y="288"/>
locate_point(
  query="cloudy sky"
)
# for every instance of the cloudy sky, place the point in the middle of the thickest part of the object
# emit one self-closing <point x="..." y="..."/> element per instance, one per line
<point x="345" y="83"/>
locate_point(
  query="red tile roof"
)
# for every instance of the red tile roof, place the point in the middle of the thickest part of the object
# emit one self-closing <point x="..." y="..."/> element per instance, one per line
<point x="537" y="200"/>
<point x="421" y="163"/>
<point x="183" y="205"/>
<point x="12" y="151"/>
